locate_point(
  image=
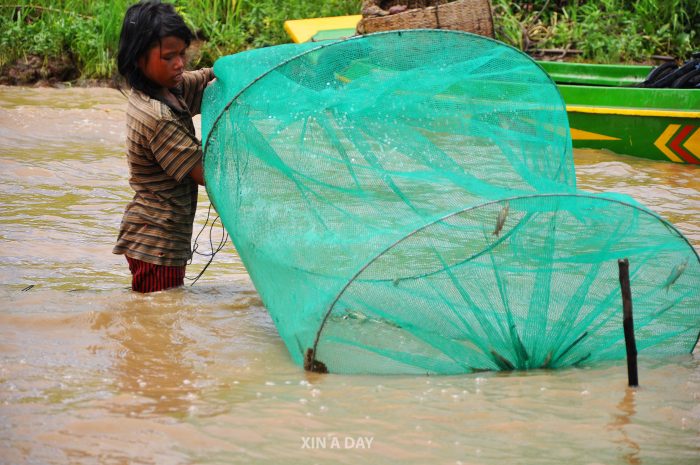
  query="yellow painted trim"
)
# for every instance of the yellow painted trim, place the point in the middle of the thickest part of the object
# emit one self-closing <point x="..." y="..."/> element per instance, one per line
<point x="302" y="30"/>
<point x="577" y="134"/>
<point x="665" y="136"/>
<point x="693" y="143"/>
<point x="632" y="111"/>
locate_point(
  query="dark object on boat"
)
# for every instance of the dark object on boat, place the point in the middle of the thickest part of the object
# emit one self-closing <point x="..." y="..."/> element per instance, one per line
<point x="670" y="75"/>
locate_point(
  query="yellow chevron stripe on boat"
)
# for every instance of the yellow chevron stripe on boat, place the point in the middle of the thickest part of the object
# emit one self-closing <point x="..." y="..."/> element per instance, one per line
<point x="577" y="134"/>
<point x="301" y="30"/>
<point x="632" y="111"/>
<point x="693" y="143"/>
<point x="665" y="136"/>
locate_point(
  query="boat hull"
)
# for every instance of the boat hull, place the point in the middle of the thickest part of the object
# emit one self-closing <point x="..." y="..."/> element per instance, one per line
<point x="654" y="138"/>
<point x="657" y="124"/>
<point x="606" y="111"/>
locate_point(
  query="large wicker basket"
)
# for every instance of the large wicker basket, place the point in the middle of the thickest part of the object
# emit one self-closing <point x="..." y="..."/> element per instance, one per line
<point x="463" y="15"/>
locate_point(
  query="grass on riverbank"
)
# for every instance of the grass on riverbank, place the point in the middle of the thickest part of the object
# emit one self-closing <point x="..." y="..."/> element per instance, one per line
<point x="603" y="31"/>
<point x="83" y="36"/>
<point x="86" y="34"/>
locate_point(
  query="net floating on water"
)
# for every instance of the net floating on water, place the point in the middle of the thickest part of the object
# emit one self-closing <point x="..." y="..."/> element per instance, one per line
<point x="406" y="202"/>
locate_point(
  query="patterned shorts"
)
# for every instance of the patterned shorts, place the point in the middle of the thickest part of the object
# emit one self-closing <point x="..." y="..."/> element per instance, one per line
<point x="147" y="277"/>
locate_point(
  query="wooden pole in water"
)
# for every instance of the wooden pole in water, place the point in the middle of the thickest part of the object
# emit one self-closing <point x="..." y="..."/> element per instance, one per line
<point x="628" y="323"/>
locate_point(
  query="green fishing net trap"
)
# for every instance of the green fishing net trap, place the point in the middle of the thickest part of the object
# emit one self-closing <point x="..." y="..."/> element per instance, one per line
<point x="405" y="202"/>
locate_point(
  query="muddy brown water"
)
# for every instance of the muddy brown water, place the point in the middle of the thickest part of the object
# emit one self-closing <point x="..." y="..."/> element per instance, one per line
<point x="91" y="373"/>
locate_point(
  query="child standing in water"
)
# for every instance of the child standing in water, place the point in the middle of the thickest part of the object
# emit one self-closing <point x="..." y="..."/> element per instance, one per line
<point x="164" y="155"/>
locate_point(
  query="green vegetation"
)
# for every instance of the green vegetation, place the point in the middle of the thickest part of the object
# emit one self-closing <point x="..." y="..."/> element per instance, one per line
<point x="87" y="33"/>
<point x="603" y="31"/>
<point x="233" y="25"/>
<point x="84" y="35"/>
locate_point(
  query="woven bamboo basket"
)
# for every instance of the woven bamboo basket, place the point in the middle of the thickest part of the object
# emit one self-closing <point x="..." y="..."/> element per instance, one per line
<point x="463" y="15"/>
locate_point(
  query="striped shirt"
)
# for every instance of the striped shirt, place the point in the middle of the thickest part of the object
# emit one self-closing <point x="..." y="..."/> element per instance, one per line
<point x="161" y="151"/>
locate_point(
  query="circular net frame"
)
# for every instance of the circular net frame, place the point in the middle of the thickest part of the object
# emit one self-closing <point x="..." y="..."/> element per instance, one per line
<point x="405" y="202"/>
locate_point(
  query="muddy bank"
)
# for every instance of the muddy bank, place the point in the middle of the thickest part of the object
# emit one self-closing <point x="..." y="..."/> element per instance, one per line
<point x="64" y="71"/>
<point x="58" y="72"/>
<point x="33" y="70"/>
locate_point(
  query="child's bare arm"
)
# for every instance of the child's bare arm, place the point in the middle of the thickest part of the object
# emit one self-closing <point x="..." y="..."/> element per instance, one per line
<point x="197" y="173"/>
<point x="193" y="85"/>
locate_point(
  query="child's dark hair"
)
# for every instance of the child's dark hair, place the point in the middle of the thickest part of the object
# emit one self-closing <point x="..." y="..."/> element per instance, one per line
<point x="145" y="24"/>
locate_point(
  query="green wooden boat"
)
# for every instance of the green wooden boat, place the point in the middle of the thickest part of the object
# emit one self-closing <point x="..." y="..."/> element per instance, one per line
<point x="606" y="111"/>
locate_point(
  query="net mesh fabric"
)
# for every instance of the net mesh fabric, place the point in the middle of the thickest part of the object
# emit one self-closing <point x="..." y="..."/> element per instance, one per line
<point x="405" y="202"/>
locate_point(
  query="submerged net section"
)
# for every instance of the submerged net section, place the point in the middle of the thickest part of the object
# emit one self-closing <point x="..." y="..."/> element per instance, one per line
<point x="542" y="293"/>
<point x="406" y="202"/>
